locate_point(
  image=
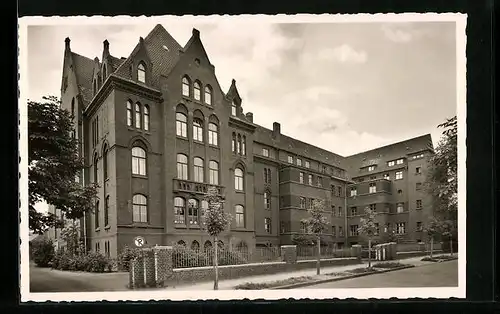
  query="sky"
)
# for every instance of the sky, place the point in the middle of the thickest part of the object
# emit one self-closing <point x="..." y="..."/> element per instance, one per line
<point x="344" y="87"/>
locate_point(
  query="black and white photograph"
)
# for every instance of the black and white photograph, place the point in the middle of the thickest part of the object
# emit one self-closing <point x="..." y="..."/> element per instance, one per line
<point x="287" y="156"/>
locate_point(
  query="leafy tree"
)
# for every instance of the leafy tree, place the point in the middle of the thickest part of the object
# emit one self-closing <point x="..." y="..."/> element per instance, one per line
<point x="368" y="229"/>
<point x="316" y="224"/>
<point x="43" y="252"/>
<point x="70" y="236"/>
<point x="215" y="221"/>
<point x="53" y="165"/>
<point x="433" y="230"/>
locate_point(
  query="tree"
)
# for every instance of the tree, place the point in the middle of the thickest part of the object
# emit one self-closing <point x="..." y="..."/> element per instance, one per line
<point x="215" y="221"/>
<point x="316" y="224"/>
<point x="433" y="230"/>
<point x="53" y="165"/>
<point x="368" y="229"/>
<point x="70" y="236"/>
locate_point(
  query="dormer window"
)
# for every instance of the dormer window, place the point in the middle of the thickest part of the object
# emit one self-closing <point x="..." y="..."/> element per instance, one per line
<point x="233" y="108"/>
<point x="141" y="73"/>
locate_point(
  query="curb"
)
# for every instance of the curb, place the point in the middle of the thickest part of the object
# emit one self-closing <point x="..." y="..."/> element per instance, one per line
<point x="305" y="284"/>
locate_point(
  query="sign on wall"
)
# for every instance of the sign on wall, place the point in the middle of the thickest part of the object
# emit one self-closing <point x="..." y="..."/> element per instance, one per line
<point x="139" y="241"/>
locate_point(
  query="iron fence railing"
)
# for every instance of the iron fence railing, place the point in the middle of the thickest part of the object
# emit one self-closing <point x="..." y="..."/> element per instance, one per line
<point x="310" y="252"/>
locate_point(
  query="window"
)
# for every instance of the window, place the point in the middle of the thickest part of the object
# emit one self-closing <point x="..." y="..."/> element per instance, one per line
<point x="197" y="91"/>
<point x="267" y="225"/>
<point x="179" y="205"/>
<point x="138" y="161"/>
<point x="401" y="228"/>
<point x="302" y="202"/>
<point x="399" y="175"/>
<point x="324" y="169"/>
<point x="104" y="72"/>
<point x="238" y="145"/>
<point x="310" y="179"/>
<point x="193" y="212"/>
<point x="303" y="227"/>
<point x="185" y="87"/>
<point x="267" y="175"/>
<point x="182" y="167"/>
<point x="213" y="172"/>
<point x="307" y="164"/>
<point x="238" y="179"/>
<point x="141" y="73"/>
<point x="301" y="177"/>
<point x="418" y="156"/>
<point x="418" y="186"/>
<point x="372" y="188"/>
<point x="371" y="168"/>
<point x="267" y="200"/>
<point x="208" y="95"/>
<point x="95" y="86"/>
<point x="198" y="130"/>
<point x="319" y="181"/>
<point x="334" y="231"/>
<point x="354" y="191"/>
<point x="299" y="162"/>
<point x="240" y="216"/>
<point x="354" y="211"/>
<point x="244" y="145"/>
<point x="105" y="163"/>
<point x="146" y="117"/>
<point x="339" y="190"/>
<point x="213" y="134"/>
<point x="96" y="170"/>
<point x="400" y="191"/>
<point x="400" y="208"/>
<point x="195" y="246"/>
<point x="204" y="208"/>
<point x="233" y="108"/>
<point x="373" y="177"/>
<point x="181" y="124"/>
<point x="290" y="159"/>
<point x="373" y="207"/>
<point x="282" y="227"/>
<point x="340" y="211"/>
<point x="399" y="161"/>
<point x="140" y="208"/>
<point x="106" y="211"/>
<point x="391" y="163"/>
<point x="265" y="152"/>
<point x="377" y="228"/>
<point x="387" y="176"/>
<point x="233" y="143"/>
<point x="138" y="115"/>
<point x="341" y="231"/>
<point x="353" y="230"/>
<point x="96" y="215"/>
<point x="198" y="169"/>
<point x="419" y="204"/>
<point x="419" y="226"/>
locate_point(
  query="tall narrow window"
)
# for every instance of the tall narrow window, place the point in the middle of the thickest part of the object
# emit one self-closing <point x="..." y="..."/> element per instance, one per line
<point x="204" y="208"/>
<point x="233" y="108"/>
<point x="301" y="177"/>
<point x="198" y="169"/>
<point x="193" y="212"/>
<point x="185" y="87"/>
<point x="240" y="216"/>
<point x="198" y="130"/>
<point x="104" y="72"/>
<point x="96" y="213"/>
<point x="299" y="162"/>
<point x="265" y="152"/>
<point x="137" y="115"/>
<point x="197" y="91"/>
<point x="244" y="145"/>
<point x="267" y="200"/>
<point x="139" y="161"/>
<point x="308" y="164"/>
<point x="181" y="124"/>
<point x="302" y="202"/>
<point x="73" y="107"/>
<point x="96" y="170"/>
<point x="179" y="207"/>
<point x="238" y="145"/>
<point x="213" y="134"/>
<point x="238" y="179"/>
<point x="106" y="211"/>
<point x="233" y="143"/>
<point x="310" y="179"/>
<point x="141" y="73"/>
<point x="400" y="207"/>
<point x="354" y="191"/>
<point x="129" y="113"/>
<point x="213" y="169"/>
<point x="146" y="117"/>
<point x="182" y="167"/>
<point x="372" y="188"/>
<point x="267" y="225"/>
<point x="208" y="95"/>
<point x="105" y="162"/>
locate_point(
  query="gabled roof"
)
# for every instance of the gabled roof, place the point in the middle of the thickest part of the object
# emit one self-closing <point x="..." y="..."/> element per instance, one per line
<point x="84" y="68"/>
<point x="163" y="59"/>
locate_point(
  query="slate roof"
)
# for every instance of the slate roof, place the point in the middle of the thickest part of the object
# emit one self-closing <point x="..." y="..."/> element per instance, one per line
<point x="84" y="68"/>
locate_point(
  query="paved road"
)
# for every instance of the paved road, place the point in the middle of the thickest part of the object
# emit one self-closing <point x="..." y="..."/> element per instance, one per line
<point x="443" y="274"/>
<point x="49" y="280"/>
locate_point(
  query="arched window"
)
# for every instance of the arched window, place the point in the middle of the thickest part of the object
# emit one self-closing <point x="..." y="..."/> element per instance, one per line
<point x="213" y="172"/>
<point x="197" y="91"/>
<point x="181" y="124"/>
<point x="213" y="134"/>
<point x="207" y="246"/>
<point x="181" y="242"/>
<point x="238" y="145"/>
<point x="141" y="73"/>
<point x="193" y="212"/>
<point x="73" y="107"/>
<point x="240" y="216"/>
<point x="106" y="211"/>
<point x="198" y="169"/>
<point x="96" y="215"/>
<point x="182" y="167"/>
<point x="267" y="200"/>
<point x="208" y="95"/>
<point x="233" y="143"/>
<point x="96" y="170"/>
<point x="233" y="108"/>
<point x="185" y="86"/>
<point x="198" y="130"/>
<point x="138" y="161"/>
<point x="146" y="117"/>
<point x="195" y="246"/>
<point x="138" y="115"/>
<point x="238" y="179"/>
<point x="244" y="145"/>
<point x="140" y="208"/>
<point x="104" y="72"/>
<point x="179" y="206"/>
<point x="130" y="116"/>
<point x="204" y="208"/>
<point x="105" y="162"/>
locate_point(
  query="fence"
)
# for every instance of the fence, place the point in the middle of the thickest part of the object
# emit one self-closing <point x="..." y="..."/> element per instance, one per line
<point x="310" y="252"/>
<point x="183" y="257"/>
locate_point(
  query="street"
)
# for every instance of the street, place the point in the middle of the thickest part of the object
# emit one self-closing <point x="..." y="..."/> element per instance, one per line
<point x="443" y="274"/>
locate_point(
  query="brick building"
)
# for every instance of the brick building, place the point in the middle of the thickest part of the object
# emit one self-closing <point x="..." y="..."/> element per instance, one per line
<point x="156" y="130"/>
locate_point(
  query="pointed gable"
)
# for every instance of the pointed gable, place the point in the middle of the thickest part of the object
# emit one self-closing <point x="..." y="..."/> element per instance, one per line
<point x="84" y="70"/>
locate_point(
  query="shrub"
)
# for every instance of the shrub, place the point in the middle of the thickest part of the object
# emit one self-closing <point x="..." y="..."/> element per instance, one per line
<point x="231" y="258"/>
<point x="126" y="255"/>
<point x="96" y="262"/>
<point x="186" y="257"/>
<point x="429" y="259"/>
<point x="43" y="252"/>
<point x="388" y="265"/>
<point x="91" y="262"/>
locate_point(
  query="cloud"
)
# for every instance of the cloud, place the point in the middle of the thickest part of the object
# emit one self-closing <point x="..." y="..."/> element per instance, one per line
<point x="405" y="33"/>
<point x="396" y="35"/>
<point x="344" y="53"/>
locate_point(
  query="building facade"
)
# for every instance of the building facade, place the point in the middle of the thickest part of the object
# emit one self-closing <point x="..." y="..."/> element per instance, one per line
<point x="156" y="130"/>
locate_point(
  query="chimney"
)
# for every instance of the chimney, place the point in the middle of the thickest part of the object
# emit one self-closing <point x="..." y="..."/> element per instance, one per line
<point x="276" y="130"/>
<point x="67" y="42"/>
<point x="249" y="116"/>
<point x="106" y="46"/>
<point x="196" y="33"/>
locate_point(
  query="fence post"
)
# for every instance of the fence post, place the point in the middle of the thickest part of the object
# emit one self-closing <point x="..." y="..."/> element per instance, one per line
<point x="163" y="264"/>
<point x="136" y="273"/>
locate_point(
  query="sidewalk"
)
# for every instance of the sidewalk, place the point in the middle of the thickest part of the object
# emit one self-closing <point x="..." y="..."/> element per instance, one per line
<point x="229" y="284"/>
